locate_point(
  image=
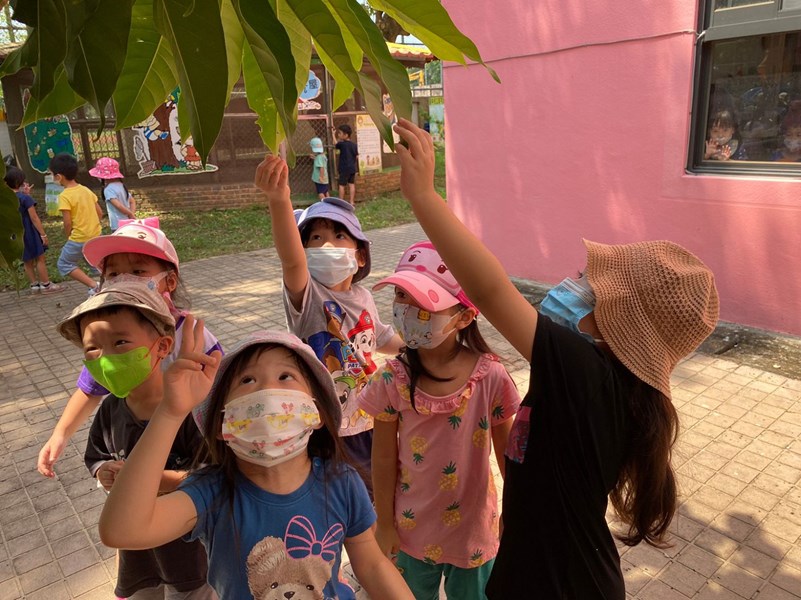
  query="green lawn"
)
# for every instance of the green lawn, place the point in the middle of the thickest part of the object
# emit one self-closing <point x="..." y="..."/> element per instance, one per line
<point x="218" y="232"/>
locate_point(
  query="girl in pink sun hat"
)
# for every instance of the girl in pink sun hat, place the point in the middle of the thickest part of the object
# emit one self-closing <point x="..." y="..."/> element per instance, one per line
<point x="120" y="204"/>
<point x="440" y="408"/>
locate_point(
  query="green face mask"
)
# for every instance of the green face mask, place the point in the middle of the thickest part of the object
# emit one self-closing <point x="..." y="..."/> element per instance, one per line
<point x="121" y="373"/>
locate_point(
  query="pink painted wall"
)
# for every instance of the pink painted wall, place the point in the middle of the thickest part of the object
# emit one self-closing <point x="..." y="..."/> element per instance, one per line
<point x="587" y="136"/>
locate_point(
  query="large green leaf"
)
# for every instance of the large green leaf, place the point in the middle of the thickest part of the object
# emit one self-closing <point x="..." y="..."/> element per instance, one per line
<point x="195" y="32"/>
<point x="272" y="49"/>
<point x="96" y="55"/>
<point x="234" y="40"/>
<point x="301" y="44"/>
<point x="392" y="73"/>
<point x="61" y="100"/>
<point x="51" y="45"/>
<point x="148" y="74"/>
<point x="11" y="242"/>
<point x="343" y="87"/>
<point x="429" y="21"/>
<point x="261" y="101"/>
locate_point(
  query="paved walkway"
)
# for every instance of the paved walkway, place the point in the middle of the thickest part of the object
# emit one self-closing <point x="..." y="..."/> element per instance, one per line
<point x="737" y="533"/>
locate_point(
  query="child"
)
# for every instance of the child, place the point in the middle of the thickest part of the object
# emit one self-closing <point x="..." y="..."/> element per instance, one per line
<point x="724" y="141"/>
<point x="323" y="257"/>
<point x="33" y="235"/>
<point x="320" y="167"/>
<point x="81" y="214"/>
<point x="347" y="162"/>
<point x="120" y="204"/>
<point x="597" y="420"/>
<point x="791" y="135"/>
<point x="125" y="331"/>
<point x="135" y="253"/>
<point x="436" y="408"/>
<point x="277" y="502"/>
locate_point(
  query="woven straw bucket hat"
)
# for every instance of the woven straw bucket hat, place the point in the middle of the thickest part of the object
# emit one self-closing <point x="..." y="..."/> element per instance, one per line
<point x="655" y="303"/>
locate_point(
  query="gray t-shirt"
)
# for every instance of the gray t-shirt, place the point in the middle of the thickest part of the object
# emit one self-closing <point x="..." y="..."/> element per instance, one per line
<point x="344" y="331"/>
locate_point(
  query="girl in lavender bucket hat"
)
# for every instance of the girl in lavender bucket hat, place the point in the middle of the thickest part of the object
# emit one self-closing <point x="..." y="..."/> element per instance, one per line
<point x="597" y="422"/>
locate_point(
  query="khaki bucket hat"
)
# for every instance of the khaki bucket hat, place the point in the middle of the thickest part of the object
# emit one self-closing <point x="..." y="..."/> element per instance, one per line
<point x="655" y="303"/>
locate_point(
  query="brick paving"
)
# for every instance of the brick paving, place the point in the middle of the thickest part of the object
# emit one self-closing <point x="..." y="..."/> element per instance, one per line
<point x="736" y="535"/>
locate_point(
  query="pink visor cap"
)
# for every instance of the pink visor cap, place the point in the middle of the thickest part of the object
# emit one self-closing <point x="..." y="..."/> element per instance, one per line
<point x="135" y="239"/>
<point x="422" y="274"/>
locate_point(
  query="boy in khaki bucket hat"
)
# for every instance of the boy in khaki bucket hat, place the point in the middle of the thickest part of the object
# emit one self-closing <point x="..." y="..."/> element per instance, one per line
<point x="597" y="421"/>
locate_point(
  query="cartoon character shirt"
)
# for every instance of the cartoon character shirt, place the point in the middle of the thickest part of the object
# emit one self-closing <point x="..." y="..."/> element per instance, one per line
<point x="280" y="545"/>
<point x="344" y="331"/>
<point x="446" y="505"/>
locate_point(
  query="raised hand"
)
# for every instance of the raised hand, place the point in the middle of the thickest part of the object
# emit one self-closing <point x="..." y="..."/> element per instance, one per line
<point x="188" y="380"/>
<point x="417" y="158"/>
<point x="272" y="178"/>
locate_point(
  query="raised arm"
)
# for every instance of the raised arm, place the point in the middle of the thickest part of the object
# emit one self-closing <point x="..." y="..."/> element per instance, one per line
<point x="272" y="177"/>
<point x="480" y="274"/>
<point x="134" y="516"/>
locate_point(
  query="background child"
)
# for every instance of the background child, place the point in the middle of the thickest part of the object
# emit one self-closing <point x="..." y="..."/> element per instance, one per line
<point x="791" y="135"/>
<point x="33" y="236"/>
<point x="135" y="253"/>
<point x="271" y="427"/>
<point x="125" y="331"/>
<point x="81" y="214"/>
<point x="436" y="408"/>
<point x="120" y="204"/>
<point x="597" y="421"/>
<point x="320" y="167"/>
<point x="347" y="162"/>
<point x="323" y="257"/>
<point x="724" y="142"/>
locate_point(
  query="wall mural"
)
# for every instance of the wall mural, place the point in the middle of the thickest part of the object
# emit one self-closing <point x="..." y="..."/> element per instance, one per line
<point x="46" y="138"/>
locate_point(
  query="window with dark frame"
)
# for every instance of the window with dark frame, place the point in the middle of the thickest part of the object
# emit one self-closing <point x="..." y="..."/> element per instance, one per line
<point x="747" y="116"/>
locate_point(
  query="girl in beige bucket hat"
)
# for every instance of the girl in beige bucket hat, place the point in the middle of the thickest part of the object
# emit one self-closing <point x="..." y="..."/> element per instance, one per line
<point x="597" y="421"/>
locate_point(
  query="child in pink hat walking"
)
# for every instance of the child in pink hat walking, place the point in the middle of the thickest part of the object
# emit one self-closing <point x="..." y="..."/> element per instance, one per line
<point x="120" y="204"/>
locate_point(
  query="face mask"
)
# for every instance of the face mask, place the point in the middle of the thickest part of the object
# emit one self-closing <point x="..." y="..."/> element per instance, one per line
<point x="793" y="145"/>
<point x="420" y="328"/>
<point x="152" y="283"/>
<point x="568" y="303"/>
<point x="722" y="140"/>
<point x="121" y="373"/>
<point x="269" y="427"/>
<point x="331" y="266"/>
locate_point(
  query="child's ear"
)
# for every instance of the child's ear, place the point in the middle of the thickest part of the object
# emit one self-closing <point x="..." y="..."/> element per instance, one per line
<point x="361" y="258"/>
<point x="172" y="281"/>
<point x="165" y="346"/>
<point x="465" y="318"/>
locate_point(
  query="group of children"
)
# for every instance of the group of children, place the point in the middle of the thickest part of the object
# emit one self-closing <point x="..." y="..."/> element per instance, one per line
<point x="294" y="445"/>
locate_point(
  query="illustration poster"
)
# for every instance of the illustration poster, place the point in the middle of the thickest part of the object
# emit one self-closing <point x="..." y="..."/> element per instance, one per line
<point x="389" y="111"/>
<point x="368" y="140"/>
<point x="157" y="145"/>
<point x="46" y="138"/>
<point x="52" y="191"/>
<point x="312" y="90"/>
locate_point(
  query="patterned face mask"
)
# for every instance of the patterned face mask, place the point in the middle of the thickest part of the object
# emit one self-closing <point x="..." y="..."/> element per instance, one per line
<point x="420" y="328"/>
<point x="269" y="427"/>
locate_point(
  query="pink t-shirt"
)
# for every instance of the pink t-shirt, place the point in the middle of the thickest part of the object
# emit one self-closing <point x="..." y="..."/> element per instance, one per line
<point x="446" y="505"/>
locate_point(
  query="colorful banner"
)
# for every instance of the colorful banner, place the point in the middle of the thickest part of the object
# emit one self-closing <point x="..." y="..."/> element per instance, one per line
<point x="368" y="140"/>
<point x="46" y="138"/>
<point x="52" y="191"/>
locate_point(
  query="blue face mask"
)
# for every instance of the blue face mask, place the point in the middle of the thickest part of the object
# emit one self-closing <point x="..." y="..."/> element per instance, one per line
<point x="568" y="303"/>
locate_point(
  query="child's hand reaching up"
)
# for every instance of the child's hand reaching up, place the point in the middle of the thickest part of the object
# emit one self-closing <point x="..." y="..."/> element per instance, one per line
<point x="272" y="178"/>
<point x="417" y="160"/>
<point x="188" y="380"/>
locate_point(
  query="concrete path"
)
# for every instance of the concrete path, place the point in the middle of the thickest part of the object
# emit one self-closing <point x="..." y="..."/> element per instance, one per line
<point x="737" y="532"/>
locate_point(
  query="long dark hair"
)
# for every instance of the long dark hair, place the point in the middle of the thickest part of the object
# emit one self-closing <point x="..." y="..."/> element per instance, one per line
<point x="645" y="493"/>
<point x="469" y="338"/>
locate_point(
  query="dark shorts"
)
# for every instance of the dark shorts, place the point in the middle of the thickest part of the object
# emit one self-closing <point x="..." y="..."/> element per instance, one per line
<point x="322" y="188"/>
<point x="346" y="178"/>
<point x="360" y="449"/>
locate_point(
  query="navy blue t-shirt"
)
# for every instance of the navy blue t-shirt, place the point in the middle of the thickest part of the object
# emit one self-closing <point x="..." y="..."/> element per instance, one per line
<point x="347" y="157"/>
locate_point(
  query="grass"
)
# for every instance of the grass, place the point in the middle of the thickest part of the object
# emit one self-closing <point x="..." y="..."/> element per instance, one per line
<point x="219" y="232"/>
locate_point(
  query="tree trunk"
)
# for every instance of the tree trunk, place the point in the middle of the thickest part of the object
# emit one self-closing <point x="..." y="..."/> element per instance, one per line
<point x="389" y="27"/>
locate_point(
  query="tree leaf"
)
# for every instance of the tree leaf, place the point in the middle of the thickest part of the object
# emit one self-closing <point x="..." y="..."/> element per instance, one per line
<point x="272" y="49"/>
<point x="148" y="74"/>
<point x="391" y="72"/>
<point x="300" y="41"/>
<point x="51" y="45"/>
<point x="61" y="100"/>
<point x="261" y="101"/>
<point x="197" y="40"/>
<point x="429" y="21"/>
<point x="11" y="241"/>
<point x="96" y="55"/>
<point x="234" y="40"/>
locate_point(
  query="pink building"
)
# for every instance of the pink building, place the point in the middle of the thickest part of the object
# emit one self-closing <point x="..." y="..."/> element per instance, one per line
<point x="601" y="129"/>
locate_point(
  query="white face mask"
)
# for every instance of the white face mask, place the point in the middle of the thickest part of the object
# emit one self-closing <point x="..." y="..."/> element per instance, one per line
<point x="152" y="282"/>
<point x="792" y="144"/>
<point x="331" y="266"/>
<point x="420" y="328"/>
<point x="269" y="427"/>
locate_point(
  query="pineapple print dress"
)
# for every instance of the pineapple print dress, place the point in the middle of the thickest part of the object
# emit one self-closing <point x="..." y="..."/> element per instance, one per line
<point x="446" y="505"/>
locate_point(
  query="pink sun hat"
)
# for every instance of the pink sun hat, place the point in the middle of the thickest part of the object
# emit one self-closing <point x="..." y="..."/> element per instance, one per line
<point x="106" y="168"/>
<point x="134" y="238"/>
<point x="422" y="274"/>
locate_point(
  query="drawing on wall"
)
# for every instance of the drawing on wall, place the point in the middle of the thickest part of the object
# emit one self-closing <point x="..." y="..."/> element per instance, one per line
<point x="157" y="145"/>
<point x="389" y="110"/>
<point x="46" y="138"/>
<point x="312" y="90"/>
